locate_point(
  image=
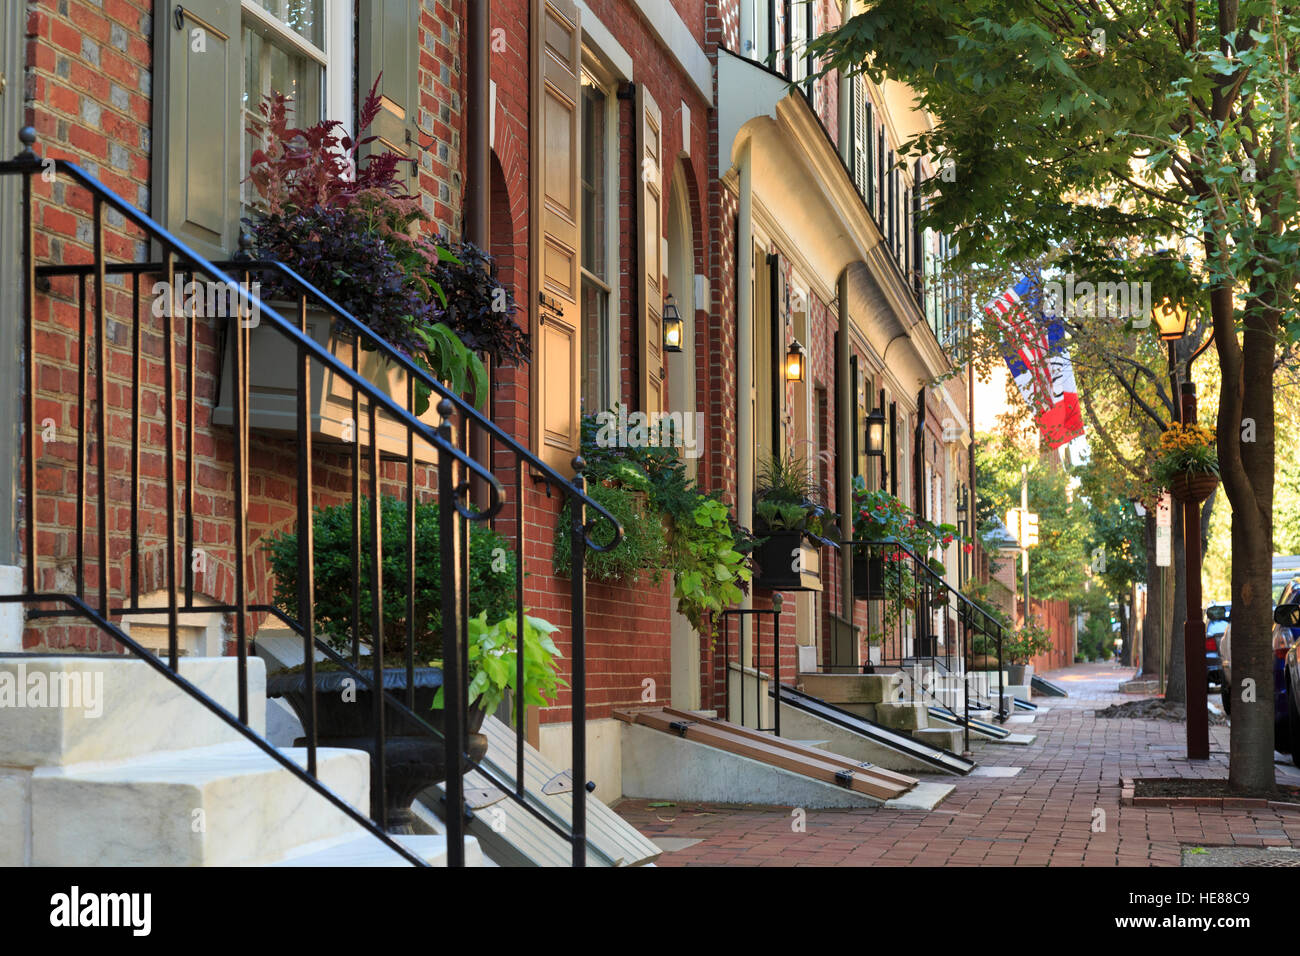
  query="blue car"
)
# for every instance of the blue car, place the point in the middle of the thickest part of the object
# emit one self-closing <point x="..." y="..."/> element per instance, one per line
<point x="1286" y="675"/>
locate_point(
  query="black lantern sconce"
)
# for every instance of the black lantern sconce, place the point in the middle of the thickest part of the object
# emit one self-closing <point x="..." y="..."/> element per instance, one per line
<point x="674" y="329"/>
<point x="795" y="361"/>
<point x="876" y="433"/>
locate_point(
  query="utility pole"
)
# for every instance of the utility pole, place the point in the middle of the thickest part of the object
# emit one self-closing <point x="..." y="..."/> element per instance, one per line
<point x="1024" y="517"/>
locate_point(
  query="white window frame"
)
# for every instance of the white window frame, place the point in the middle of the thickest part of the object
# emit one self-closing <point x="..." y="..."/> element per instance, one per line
<point x="336" y="83"/>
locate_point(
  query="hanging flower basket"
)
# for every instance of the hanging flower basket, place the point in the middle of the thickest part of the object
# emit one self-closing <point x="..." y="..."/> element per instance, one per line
<point x="1193" y="486"/>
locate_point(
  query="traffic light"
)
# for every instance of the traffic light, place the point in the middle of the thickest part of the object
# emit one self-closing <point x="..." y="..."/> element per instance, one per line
<point x="1030" y="537"/>
<point x="1013" y="523"/>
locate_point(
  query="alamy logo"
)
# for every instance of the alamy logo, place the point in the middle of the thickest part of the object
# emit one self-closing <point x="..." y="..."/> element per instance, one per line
<point x="212" y="300"/>
<point x="651" y="430"/>
<point x="74" y="908"/>
<point x="81" y="690"/>
<point x="1120" y="300"/>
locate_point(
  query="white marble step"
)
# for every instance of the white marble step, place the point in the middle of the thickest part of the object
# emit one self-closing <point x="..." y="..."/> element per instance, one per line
<point x="61" y="710"/>
<point x="225" y="805"/>
<point x="367" y="850"/>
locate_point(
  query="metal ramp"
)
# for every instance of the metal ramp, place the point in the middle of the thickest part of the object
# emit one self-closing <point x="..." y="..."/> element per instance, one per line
<point x="511" y="836"/>
<point x="983" y="727"/>
<point x="1026" y="705"/>
<point x="820" y="765"/>
<point x="1047" y="688"/>
<point x="939" y="759"/>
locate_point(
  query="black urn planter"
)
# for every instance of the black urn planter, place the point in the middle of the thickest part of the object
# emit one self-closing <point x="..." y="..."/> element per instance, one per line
<point x="414" y="759"/>
<point x="868" y="576"/>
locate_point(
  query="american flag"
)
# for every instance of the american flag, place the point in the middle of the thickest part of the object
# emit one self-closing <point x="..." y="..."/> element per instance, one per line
<point x="1035" y="354"/>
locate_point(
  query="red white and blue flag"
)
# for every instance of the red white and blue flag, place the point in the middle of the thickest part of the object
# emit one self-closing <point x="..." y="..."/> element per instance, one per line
<point x="1034" y="349"/>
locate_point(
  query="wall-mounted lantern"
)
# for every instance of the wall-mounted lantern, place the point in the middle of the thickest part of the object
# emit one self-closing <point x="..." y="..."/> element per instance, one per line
<point x="876" y="433"/>
<point x="674" y="330"/>
<point x="795" y="360"/>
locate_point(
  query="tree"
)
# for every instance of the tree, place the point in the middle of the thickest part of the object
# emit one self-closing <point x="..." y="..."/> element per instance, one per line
<point x="1127" y="123"/>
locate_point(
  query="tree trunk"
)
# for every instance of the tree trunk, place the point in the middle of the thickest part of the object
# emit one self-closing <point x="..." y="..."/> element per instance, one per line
<point x="1247" y="470"/>
<point x="1176" y="672"/>
<point x="1151" y="630"/>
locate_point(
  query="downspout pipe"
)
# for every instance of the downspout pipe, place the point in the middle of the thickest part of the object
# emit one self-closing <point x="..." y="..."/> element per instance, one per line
<point x="745" y="365"/>
<point x="844" y="442"/>
<point x="478" y="172"/>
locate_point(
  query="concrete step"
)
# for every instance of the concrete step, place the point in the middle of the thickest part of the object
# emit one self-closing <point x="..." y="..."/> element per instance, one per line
<point x="841" y="689"/>
<point x="902" y="715"/>
<point x="226" y="805"/>
<point x="943" y="737"/>
<point x="63" y="710"/>
<point x="366" y="850"/>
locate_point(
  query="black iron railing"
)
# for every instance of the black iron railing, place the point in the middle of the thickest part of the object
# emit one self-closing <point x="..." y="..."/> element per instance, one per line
<point x="922" y="627"/>
<point x="749" y="660"/>
<point x="471" y="487"/>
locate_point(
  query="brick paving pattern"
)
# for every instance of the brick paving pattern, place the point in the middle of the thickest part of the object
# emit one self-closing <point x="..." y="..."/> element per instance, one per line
<point x="1043" y="816"/>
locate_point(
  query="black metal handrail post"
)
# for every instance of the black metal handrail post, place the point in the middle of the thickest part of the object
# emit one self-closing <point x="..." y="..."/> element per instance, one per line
<point x="449" y="543"/>
<point x="578" y="581"/>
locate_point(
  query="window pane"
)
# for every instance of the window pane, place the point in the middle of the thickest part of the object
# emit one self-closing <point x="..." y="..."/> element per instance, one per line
<point x="268" y="68"/>
<point x="595" y="342"/>
<point x="304" y="17"/>
<point x="594" y="178"/>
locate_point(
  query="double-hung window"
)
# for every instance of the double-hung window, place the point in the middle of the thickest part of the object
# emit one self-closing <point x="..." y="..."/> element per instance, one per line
<point x="217" y="60"/>
<point x="598" y="129"/>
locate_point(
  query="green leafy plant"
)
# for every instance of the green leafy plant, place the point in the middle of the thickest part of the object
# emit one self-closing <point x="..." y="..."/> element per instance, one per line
<point x="710" y="570"/>
<point x="668" y="524"/>
<point x="491" y="575"/>
<point x="1026" y="642"/>
<point x="785" y="497"/>
<point x="643" y="547"/>
<point x="493" y="663"/>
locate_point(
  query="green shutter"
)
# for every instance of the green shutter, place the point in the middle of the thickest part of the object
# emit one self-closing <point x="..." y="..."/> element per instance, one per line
<point x="388" y="37"/>
<point x="197" y="134"/>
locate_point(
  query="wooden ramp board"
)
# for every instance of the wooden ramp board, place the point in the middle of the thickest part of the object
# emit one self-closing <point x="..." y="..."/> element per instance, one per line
<point x="776" y="751"/>
<point x="512" y="836"/>
<point x="936" y="757"/>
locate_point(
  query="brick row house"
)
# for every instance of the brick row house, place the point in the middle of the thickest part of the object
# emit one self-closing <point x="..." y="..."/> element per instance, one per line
<point x="644" y="158"/>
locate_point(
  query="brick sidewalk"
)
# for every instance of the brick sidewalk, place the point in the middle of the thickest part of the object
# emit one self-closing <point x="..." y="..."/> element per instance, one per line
<point x="1041" y="817"/>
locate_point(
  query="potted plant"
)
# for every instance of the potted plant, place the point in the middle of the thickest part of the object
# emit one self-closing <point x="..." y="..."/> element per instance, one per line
<point x="982" y="649"/>
<point x="788" y="520"/>
<point x="1023" y="645"/>
<point x="1186" y="462"/>
<point x="414" y="760"/>
<point x="350" y="229"/>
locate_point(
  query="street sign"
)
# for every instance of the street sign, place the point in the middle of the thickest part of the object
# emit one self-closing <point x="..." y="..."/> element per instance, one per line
<point x="1164" y="545"/>
<point x="1013" y="523"/>
<point x="1164" y="511"/>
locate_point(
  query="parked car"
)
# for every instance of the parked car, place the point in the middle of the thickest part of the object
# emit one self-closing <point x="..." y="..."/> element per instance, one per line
<point x="1286" y="680"/>
<point x="1216" y="618"/>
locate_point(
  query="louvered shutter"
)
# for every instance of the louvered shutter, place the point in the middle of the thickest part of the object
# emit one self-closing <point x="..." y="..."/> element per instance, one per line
<point x="650" y="220"/>
<point x="554" y="274"/>
<point x="388" y="33"/>
<point x="197" y="124"/>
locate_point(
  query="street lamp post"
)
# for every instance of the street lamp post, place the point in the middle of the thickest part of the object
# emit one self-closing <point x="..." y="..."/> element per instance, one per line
<point x="1171" y="319"/>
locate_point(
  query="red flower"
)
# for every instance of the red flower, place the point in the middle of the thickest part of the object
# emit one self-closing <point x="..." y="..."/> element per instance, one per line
<point x="968" y="548"/>
<point x="947" y="539"/>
